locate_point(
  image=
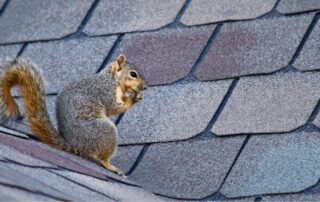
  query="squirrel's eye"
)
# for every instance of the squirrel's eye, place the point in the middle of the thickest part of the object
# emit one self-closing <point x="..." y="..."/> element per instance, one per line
<point x="133" y="74"/>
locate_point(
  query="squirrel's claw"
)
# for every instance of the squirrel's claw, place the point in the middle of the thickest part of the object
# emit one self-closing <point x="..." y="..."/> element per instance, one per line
<point x="121" y="174"/>
<point x="138" y="97"/>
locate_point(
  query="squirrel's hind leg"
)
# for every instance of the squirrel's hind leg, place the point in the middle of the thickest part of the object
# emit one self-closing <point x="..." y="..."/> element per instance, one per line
<point x="107" y="144"/>
<point x="106" y="163"/>
<point x="109" y="166"/>
<point x="102" y="142"/>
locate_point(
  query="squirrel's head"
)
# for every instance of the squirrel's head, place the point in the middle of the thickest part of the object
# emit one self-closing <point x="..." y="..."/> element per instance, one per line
<point x="130" y="80"/>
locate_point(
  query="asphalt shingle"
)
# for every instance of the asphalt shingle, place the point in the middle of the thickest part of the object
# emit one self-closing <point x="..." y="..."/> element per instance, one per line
<point x="188" y="170"/>
<point x="260" y="46"/>
<point x="297" y="6"/>
<point x="7" y="130"/>
<point x="64" y="61"/>
<point x="316" y="121"/>
<point x="309" y="58"/>
<point x="65" y="186"/>
<point x="41" y="19"/>
<point x="18" y="179"/>
<point x="117" y="16"/>
<point x="126" y="156"/>
<point x="211" y="11"/>
<point x="8" y="193"/>
<point x="275" y="164"/>
<point x="268" y="104"/>
<point x="9" y="51"/>
<point x="2" y="3"/>
<point x="174" y="112"/>
<point x="117" y="191"/>
<point x="16" y="156"/>
<point x="165" y="56"/>
<point x="312" y="195"/>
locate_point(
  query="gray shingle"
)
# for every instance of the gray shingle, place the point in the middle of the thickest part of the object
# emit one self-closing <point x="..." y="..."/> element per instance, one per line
<point x="275" y="164"/>
<point x="297" y="6"/>
<point x="14" y="155"/>
<point x="115" y="190"/>
<point x="64" y="61"/>
<point x="9" y="51"/>
<point x="115" y="16"/>
<point x="267" y="104"/>
<point x="2" y="3"/>
<point x="309" y="58"/>
<point x="316" y="121"/>
<point x="126" y="156"/>
<point x="165" y="56"/>
<point x="13" y="175"/>
<point x="55" y="182"/>
<point x="313" y="196"/>
<point x="41" y="19"/>
<point x="190" y="170"/>
<point x="210" y="11"/>
<point x="253" y="47"/>
<point x="15" y="194"/>
<point x="8" y="129"/>
<point x="6" y="197"/>
<point x="172" y="112"/>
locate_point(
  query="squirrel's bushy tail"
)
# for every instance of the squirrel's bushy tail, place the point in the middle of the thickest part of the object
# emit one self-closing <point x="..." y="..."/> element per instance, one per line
<point x="22" y="74"/>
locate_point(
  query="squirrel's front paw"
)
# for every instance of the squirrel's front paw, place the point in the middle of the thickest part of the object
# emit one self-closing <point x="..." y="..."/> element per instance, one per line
<point x="138" y="97"/>
<point x="120" y="103"/>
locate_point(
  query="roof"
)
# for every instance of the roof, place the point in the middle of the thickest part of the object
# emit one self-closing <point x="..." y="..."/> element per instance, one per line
<point x="232" y="111"/>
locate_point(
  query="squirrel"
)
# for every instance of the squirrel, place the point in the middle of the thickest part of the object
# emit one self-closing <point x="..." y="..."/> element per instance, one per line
<point x="83" y="107"/>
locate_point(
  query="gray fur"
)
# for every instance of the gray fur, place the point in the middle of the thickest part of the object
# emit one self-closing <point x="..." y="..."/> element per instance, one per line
<point x="80" y="113"/>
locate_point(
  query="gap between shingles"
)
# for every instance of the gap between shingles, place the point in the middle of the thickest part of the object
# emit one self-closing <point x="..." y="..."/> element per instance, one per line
<point x="235" y="160"/>
<point x="176" y="22"/>
<point x="305" y="38"/>
<point x="110" y="53"/>
<point x="88" y="15"/>
<point x="206" y="48"/>
<point x="22" y="49"/>
<point x="4" y="6"/>
<point x="139" y="159"/>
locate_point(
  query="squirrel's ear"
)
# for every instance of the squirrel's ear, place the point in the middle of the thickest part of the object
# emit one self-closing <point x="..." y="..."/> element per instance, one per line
<point x="121" y="59"/>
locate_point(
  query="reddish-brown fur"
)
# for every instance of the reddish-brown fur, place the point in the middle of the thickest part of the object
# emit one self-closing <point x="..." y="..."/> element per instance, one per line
<point x="30" y="84"/>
